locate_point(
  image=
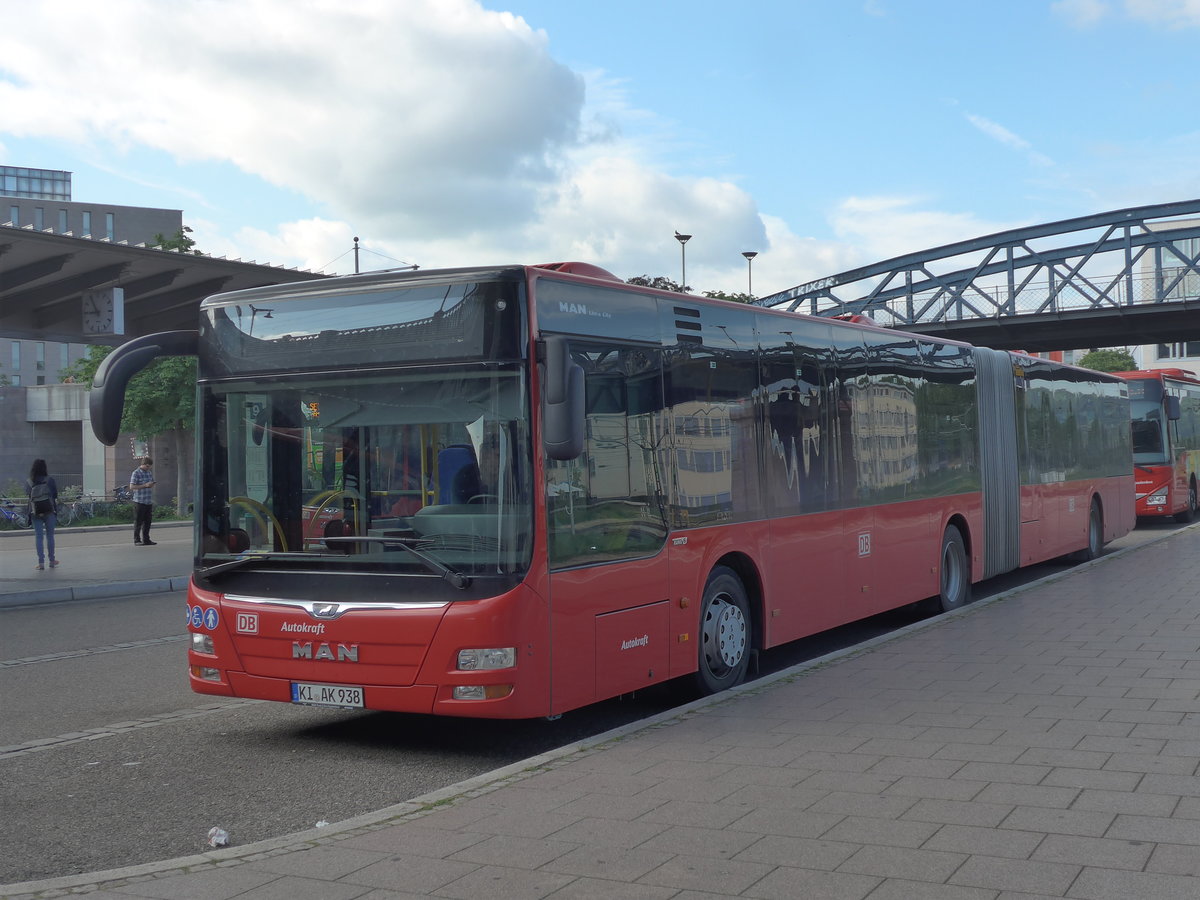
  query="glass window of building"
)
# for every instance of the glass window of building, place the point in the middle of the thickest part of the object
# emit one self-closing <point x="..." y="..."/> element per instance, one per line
<point x="16" y="351"/>
<point x="39" y="218"/>
<point x="64" y="355"/>
<point x="14" y="215"/>
<point x="108" y="226"/>
<point x="62" y="221"/>
<point x="39" y="354"/>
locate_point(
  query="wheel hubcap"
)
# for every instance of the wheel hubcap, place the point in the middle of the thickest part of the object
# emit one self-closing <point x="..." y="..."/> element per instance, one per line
<point x="724" y="633"/>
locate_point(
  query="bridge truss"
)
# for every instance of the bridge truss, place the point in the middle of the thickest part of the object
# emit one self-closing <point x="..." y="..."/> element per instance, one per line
<point x="1116" y="278"/>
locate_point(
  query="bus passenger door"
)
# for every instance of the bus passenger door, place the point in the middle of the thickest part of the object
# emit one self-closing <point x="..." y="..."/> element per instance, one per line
<point x="606" y="530"/>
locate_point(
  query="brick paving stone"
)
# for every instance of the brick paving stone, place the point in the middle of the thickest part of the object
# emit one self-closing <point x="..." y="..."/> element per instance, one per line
<point x="612" y="863"/>
<point x="1089" y="823"/>
<point x="898" y="889"/>
<point x="972" y="839"/>
<point x="1006" y="874"/>
<point x="1099" y="852"/>
<point x="501" y="883"/>
<point x="1131" y="802"/>
<point x="1115" y="884"/>
<point x="788" y="884"/>
<point x="725" y="876"/>
<point x="417" y="874"/>
<point x="1174" y="859"/>
<point x="901" y="862"/>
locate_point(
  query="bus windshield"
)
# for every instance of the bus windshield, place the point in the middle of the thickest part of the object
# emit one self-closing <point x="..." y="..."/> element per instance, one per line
<point x="355" y="471"/>
<point x="1149" y="433"/>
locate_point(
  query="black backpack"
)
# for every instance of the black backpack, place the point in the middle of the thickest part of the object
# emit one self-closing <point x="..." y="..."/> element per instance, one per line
<point x="40" y="500"/>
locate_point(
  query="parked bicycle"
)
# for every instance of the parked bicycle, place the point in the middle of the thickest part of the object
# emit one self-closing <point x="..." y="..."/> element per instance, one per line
<point x="15" y="512"/>
<point x="122" y="493"/>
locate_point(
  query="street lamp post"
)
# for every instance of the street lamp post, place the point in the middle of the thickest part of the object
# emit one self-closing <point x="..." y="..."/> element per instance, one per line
<point x="683" y="239"/>
<point x="750" y="254"/>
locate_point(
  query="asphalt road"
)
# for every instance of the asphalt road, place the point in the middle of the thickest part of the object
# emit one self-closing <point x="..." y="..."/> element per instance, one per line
<point x="107" y="759"/>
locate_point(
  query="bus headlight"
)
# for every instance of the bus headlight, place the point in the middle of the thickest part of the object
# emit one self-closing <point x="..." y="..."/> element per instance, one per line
<point x="206" y="674"/>
<point x="202" y="643"/>
<point x="487" y="658"/>
<point x="1158" y="498"/>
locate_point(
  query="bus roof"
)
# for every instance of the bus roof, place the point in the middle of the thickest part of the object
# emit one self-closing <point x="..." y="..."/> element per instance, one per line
<point x="1161" y="375"/>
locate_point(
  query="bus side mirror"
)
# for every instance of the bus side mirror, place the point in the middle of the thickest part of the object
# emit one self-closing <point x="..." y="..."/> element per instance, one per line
<point x="563" y="399"/>
<point x="1174" y="413"/>
<point x="106" y="400"/>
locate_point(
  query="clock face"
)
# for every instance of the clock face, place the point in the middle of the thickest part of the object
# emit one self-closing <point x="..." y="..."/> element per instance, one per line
<point x="98" y="312"/>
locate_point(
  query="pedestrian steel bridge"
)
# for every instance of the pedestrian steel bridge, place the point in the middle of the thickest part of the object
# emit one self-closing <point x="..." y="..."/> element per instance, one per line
<point x="1131" y="276"/>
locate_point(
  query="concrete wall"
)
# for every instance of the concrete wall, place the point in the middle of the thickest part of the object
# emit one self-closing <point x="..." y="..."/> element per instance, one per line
<point x="52" y="423"/>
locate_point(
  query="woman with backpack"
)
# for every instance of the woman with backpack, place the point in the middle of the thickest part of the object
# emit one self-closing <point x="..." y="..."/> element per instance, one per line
<point x="43" y="510"/>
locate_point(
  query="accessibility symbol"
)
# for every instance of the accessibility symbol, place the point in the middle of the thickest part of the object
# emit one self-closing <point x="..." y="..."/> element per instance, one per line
<point x="197" y="619"/>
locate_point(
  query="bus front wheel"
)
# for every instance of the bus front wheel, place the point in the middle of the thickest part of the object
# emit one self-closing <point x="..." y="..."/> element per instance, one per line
<point x="725" y="632"/>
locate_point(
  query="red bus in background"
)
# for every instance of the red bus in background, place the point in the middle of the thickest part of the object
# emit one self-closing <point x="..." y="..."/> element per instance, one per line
<point x="512" y="492"/>
<point x="1165" y="409"/>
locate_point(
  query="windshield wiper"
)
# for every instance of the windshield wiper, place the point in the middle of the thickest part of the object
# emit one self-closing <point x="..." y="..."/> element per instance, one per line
<point x="222" y="568"/>
<point x="457" y="579"/>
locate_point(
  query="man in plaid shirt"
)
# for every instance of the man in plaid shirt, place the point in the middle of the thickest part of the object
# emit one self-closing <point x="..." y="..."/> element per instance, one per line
<point x="141" y="482"/>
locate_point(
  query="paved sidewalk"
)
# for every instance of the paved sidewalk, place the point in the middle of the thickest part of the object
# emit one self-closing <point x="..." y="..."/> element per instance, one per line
<point x="97" y="562"/>
<point x="1043" y="744"/>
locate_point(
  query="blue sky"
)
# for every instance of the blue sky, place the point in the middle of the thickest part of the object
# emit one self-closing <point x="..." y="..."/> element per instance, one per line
<point x="823" y="134"/>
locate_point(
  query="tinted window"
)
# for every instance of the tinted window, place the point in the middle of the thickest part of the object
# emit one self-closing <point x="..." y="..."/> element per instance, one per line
<point x="608" y="503"/>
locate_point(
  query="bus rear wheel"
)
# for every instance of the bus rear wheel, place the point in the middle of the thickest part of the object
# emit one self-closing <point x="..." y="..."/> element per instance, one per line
<point x="725" y="632"/>
<point x="1095" y="535"/>
<point x="954" y="580"/>
<point x="1190" y="513"/>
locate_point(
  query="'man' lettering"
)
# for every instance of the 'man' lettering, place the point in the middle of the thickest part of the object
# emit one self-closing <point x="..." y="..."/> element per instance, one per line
<point x="306" y="650"/>
<point x="578" y="309"/>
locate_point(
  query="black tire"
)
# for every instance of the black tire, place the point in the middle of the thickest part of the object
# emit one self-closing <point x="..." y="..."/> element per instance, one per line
<point x="725" y="633"/>
<point x="954" y="572"/>
<point x="1190" y="513"/>
<point x="1095" y="535"/>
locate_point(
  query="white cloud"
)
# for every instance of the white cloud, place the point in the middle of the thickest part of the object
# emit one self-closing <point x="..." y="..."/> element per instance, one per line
<point x="423" y="113"/>
<point x="1166" y="13"/>
<point x="1171" y="13"/>
<point x="998" y="132"/>
<point x="886" y="227"/>
<point x="1081" y="13"/>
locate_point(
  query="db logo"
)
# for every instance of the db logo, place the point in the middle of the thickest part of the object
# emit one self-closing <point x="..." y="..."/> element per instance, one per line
<point x="247" y="623"/>
<point x="864" y="544"/>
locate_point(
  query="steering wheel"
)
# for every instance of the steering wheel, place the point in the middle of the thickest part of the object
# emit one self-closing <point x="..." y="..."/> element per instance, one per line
<point x="262" y="514"/>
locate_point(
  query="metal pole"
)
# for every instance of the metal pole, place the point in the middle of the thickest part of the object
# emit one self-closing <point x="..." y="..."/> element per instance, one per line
<point x="683" y="239"/>
<point x="750" y="254"/>
<point x="356" y="256"/>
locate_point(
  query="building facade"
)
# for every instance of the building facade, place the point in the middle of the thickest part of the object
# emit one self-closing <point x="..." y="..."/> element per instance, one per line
<point x="44" y="415"/>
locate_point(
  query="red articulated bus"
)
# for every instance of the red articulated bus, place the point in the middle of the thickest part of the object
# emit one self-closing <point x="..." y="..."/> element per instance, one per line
<point x="1165" y="409"/>
<point x="539" y="487"/>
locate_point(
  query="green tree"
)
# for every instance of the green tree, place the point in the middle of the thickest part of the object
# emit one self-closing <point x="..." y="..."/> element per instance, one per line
<point x="662" y="282"/>
<point x="722" y="295"/>
<point x="1109" y="360"/>
<point x="178" y="241"/>
<point x="160" y="400"/>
